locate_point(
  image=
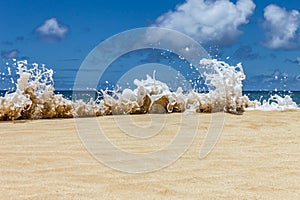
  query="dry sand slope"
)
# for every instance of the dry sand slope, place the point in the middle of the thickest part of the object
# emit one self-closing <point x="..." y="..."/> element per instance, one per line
<point x="256" y="157"/>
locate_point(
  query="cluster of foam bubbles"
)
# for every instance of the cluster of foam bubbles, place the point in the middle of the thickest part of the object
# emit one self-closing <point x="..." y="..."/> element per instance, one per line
<point x="275" y="102"/>
<point x="154" y="96"/>
<point x="34" y="96"/>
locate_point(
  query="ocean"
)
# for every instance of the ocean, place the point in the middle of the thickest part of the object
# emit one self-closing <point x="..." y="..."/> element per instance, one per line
<point x="265" y="95"/>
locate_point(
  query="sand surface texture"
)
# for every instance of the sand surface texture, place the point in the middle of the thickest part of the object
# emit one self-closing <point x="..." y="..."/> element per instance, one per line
<point x="256" y="157"/>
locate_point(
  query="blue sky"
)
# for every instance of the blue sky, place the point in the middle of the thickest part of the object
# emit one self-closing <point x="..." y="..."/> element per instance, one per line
<point x="263" y="35"/>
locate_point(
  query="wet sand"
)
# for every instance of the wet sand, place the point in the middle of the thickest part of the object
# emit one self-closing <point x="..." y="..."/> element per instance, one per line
<point x="256" y="157"/>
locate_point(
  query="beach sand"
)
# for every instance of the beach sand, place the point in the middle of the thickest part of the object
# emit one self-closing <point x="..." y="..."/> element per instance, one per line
<point x="256" y="157"/>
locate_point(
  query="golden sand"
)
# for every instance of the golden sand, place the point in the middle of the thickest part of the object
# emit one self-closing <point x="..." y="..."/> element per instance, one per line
<point x="256" y="157"/>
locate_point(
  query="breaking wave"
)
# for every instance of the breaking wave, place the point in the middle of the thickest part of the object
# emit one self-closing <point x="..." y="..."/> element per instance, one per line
<point x="34" y="96"/>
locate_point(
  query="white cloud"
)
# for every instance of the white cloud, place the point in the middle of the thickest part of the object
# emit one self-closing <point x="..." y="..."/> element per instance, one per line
<point x="10" y="54"/>
<point x="281" y="26"/>
<point x="298" y="60"/>
<point x="52" y="30"/>
<point x="209" y="21"/>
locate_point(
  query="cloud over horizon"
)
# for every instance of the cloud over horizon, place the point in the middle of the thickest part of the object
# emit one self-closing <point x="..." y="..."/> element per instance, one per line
<point x="245" y="52"/>
<point x="51" y="30"/>
<point x="281" y="27"/>
<point x="10" y="54"/>
<point x="216" y="22"/>
<point x="293" y="61"/>
<point x="276" y="80"/>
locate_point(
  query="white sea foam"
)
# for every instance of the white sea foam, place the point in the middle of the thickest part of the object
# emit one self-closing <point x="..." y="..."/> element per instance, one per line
<point x="275" y="102"/>
<point x="34" y="97"/>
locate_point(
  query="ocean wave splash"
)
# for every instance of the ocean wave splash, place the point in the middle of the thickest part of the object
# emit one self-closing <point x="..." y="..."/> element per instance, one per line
<point x="34" y="96"/>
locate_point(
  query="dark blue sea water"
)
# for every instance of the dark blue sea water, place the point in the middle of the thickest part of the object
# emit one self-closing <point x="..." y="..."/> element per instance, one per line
<point x="253" y="95"/>
<point x="265" y="95"/>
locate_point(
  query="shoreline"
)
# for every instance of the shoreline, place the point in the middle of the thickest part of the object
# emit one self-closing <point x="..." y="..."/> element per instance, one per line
<point x="171" y="113"/>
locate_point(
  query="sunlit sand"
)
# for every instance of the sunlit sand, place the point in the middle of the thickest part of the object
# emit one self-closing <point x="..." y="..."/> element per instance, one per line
<point x="256" y="157"/>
